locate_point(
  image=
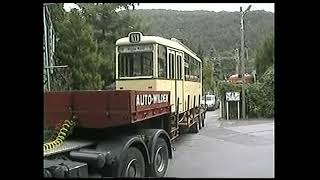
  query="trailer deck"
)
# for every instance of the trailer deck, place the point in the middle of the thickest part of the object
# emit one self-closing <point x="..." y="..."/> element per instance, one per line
<point x="68" y="146"/>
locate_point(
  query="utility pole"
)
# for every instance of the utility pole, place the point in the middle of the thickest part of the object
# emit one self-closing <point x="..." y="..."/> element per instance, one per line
<point x="247" y="59"/>
<point x="242" y="60"/>
<point x="237" y="58"/>
<point x="46" y="51"/>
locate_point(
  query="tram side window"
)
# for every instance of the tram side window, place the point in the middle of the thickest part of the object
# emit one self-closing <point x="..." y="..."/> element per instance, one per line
<point x="186" y="66"/>
<point x="192" y="69"/>
<point x="178" y="67"/>
<point x="162" y="61"/>
<point x="171" y="66"/>
<point x="196" y="70"/>
<point x="197" y="64"/>
<point x="121" y="66"/>
<point x="199" y="71"/>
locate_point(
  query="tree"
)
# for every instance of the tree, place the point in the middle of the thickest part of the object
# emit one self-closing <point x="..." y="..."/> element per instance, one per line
<point x="108" y="26"/>
<point x="86" y="40"/>
<point x="207" y="75"/>
<point x="200" y="52"/>
<point x="57" y="14"/>
<point x="265" y="55"/>
<point x="78" y="49"/>
<point x="61" y="76"/>
<point x="260" y="95"/>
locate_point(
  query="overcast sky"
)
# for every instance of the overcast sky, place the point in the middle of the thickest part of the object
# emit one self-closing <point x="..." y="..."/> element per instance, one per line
<point x="231" y="7"/>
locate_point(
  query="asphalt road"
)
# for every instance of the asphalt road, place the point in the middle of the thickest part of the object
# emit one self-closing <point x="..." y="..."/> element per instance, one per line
<point x="225" y="149"/>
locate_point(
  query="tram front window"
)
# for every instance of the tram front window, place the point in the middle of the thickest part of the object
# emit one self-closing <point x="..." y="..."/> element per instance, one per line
<point x="135" y="64"/>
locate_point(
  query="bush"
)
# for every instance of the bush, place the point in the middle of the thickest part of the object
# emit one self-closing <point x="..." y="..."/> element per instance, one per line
<point x="260" y="96"/>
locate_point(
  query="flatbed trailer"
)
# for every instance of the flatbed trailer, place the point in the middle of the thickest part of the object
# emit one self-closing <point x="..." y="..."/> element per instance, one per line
<point x="112" y="133"/>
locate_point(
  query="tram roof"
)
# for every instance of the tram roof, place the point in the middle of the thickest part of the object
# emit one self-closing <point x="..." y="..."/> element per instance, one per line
<point x="173" y="43"/>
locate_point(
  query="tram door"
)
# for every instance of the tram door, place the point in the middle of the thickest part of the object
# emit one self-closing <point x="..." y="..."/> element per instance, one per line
<point x="175" y="75"/>
<point x="179" y="81"/>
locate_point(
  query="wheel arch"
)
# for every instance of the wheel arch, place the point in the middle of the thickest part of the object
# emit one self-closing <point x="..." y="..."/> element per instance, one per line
<point x="141" y="145"/>
<point x="117" y="146"/>
<point x="151" y="139"/>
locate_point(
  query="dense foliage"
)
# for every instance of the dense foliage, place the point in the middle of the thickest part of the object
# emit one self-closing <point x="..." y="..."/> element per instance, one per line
<point x="218" y="30"/>
<point x="260" y="95"/>
<point x="265" y="55"/>
<point x="86" y="41"/>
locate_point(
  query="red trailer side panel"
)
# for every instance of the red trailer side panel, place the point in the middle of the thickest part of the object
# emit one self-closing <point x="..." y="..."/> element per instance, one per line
<point x="57" y="107"/>
<point x="102" y="109"/>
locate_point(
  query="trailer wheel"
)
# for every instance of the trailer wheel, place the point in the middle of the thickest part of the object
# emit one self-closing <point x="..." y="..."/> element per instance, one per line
<point x="199" y="121"/>
<point x="160" y="159"/>
<point x="195" y="127"/>
<point x="132" y="164"/>
<point x="202" y="119"/>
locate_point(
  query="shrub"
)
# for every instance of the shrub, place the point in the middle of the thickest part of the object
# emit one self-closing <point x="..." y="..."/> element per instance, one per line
<point x="260" y="96"/>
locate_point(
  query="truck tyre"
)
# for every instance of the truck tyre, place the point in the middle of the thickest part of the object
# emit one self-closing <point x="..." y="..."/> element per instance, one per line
<point x="132" y="163"/>
<point x="160" y="159"/>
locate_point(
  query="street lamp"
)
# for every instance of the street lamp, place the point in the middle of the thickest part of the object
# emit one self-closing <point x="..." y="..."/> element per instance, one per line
<point x="242" y="60"/>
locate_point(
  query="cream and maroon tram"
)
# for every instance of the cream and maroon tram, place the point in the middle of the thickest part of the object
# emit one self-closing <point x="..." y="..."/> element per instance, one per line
<point x="152" y="63"/>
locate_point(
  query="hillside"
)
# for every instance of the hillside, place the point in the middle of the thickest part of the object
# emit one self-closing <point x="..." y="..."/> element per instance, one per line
<point x="208" y="29"/>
